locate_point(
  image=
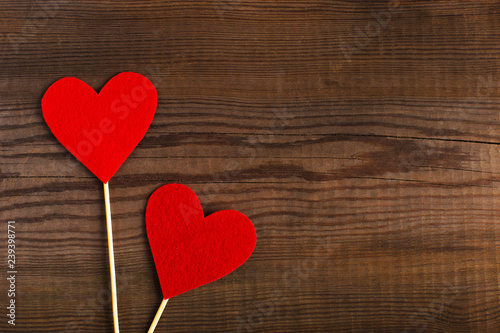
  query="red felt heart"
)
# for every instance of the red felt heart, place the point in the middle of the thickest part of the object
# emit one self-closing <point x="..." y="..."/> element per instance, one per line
<point x="191" y="250"/>
<point x="101" y="130"/>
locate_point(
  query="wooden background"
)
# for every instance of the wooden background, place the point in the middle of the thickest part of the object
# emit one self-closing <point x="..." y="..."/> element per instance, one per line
<point x="361" y="138"/>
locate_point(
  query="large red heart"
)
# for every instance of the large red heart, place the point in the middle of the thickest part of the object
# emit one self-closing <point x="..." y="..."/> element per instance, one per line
<point x="191" y="250"/>
<point x="101" y="130"/>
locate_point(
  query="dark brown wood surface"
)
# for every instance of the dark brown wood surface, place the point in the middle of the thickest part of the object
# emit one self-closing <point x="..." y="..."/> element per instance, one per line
<point x="361" y="137"/>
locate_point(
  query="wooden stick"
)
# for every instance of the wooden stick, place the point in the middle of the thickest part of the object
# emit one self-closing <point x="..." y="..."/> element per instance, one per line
<point x="158" y="315"/>
<point x="111" y="258"/>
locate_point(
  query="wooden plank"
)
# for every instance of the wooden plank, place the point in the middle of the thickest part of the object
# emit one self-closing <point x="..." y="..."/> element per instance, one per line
<point x="368" y="162"/>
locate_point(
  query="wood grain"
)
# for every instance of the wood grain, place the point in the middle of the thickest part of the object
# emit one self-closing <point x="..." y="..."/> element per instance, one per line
<point x="362" y="142"/>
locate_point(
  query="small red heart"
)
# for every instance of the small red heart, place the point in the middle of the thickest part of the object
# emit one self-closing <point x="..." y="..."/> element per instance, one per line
<point x="191" y="250"/>
<point x="101" y="130"/>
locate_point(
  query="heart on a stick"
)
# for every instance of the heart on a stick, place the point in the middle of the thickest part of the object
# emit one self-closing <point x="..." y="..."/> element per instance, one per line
<point x="191" y="250"/>
<point x="100" y="130"/>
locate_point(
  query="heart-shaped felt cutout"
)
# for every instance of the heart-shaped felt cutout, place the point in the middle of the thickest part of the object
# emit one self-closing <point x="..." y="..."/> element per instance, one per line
<point x="191" y="250"/>
<point x="101" y="130"/>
